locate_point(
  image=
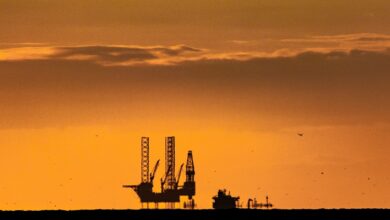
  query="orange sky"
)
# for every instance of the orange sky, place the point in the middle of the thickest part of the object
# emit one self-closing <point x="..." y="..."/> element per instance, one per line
<point x="82" y="81"/>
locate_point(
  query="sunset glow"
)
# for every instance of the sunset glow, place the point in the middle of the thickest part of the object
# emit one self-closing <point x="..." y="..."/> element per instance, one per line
<point x="234" y="81"/>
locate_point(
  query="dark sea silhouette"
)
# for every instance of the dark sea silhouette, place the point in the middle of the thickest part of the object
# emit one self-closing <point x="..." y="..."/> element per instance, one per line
<point x="309" y="214"/>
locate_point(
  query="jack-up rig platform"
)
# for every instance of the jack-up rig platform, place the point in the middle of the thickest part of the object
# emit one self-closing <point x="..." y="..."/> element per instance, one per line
<point x="170" y="188"/>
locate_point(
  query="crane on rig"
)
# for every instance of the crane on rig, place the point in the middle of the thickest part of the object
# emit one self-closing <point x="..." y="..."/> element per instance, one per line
<point x="178" y="176"/>
<point x="163" y="181"/>
<point x="154" y="171"/>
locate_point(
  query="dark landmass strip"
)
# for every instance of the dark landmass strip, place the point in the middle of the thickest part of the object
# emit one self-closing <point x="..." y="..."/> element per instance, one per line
<point x="241" y="214"/>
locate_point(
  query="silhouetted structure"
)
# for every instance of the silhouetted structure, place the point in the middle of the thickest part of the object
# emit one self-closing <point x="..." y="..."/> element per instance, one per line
<point x="225" y="201"/>
<point x="275" y="214"/>
<point x="253" y="204"/>
<point x="190" y="204"/>
<point x="170" y="189"/>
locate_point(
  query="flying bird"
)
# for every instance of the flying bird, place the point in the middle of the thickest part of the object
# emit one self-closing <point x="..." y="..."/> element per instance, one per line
<point x="300" y="134"/>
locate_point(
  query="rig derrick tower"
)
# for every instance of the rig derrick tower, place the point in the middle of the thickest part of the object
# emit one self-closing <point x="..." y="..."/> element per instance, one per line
<point x="171" y="191"/>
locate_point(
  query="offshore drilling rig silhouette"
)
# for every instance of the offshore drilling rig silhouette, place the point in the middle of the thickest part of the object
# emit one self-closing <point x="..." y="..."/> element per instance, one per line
<point x="170" y="189"/>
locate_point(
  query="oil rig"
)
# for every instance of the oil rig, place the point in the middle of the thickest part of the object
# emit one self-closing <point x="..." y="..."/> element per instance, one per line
<point x="171" y="191"/>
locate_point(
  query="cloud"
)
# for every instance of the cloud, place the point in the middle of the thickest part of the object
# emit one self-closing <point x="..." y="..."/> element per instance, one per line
<point x="23" y="44"/>
<point x="121" y="53"/>
<point x="243" y="91"/>
<point x="26" y="53"/>
<point x="366" y="41"/>
<point x="130" y="55"/>
<point x="102" y="54"/>
<point x="374" y="38"/>
<point x="107" y="55"/>
<point x="355" y="37"/>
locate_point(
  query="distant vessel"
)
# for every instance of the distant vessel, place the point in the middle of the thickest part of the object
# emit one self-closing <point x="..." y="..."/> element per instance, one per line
<point x="225" y="201"/>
